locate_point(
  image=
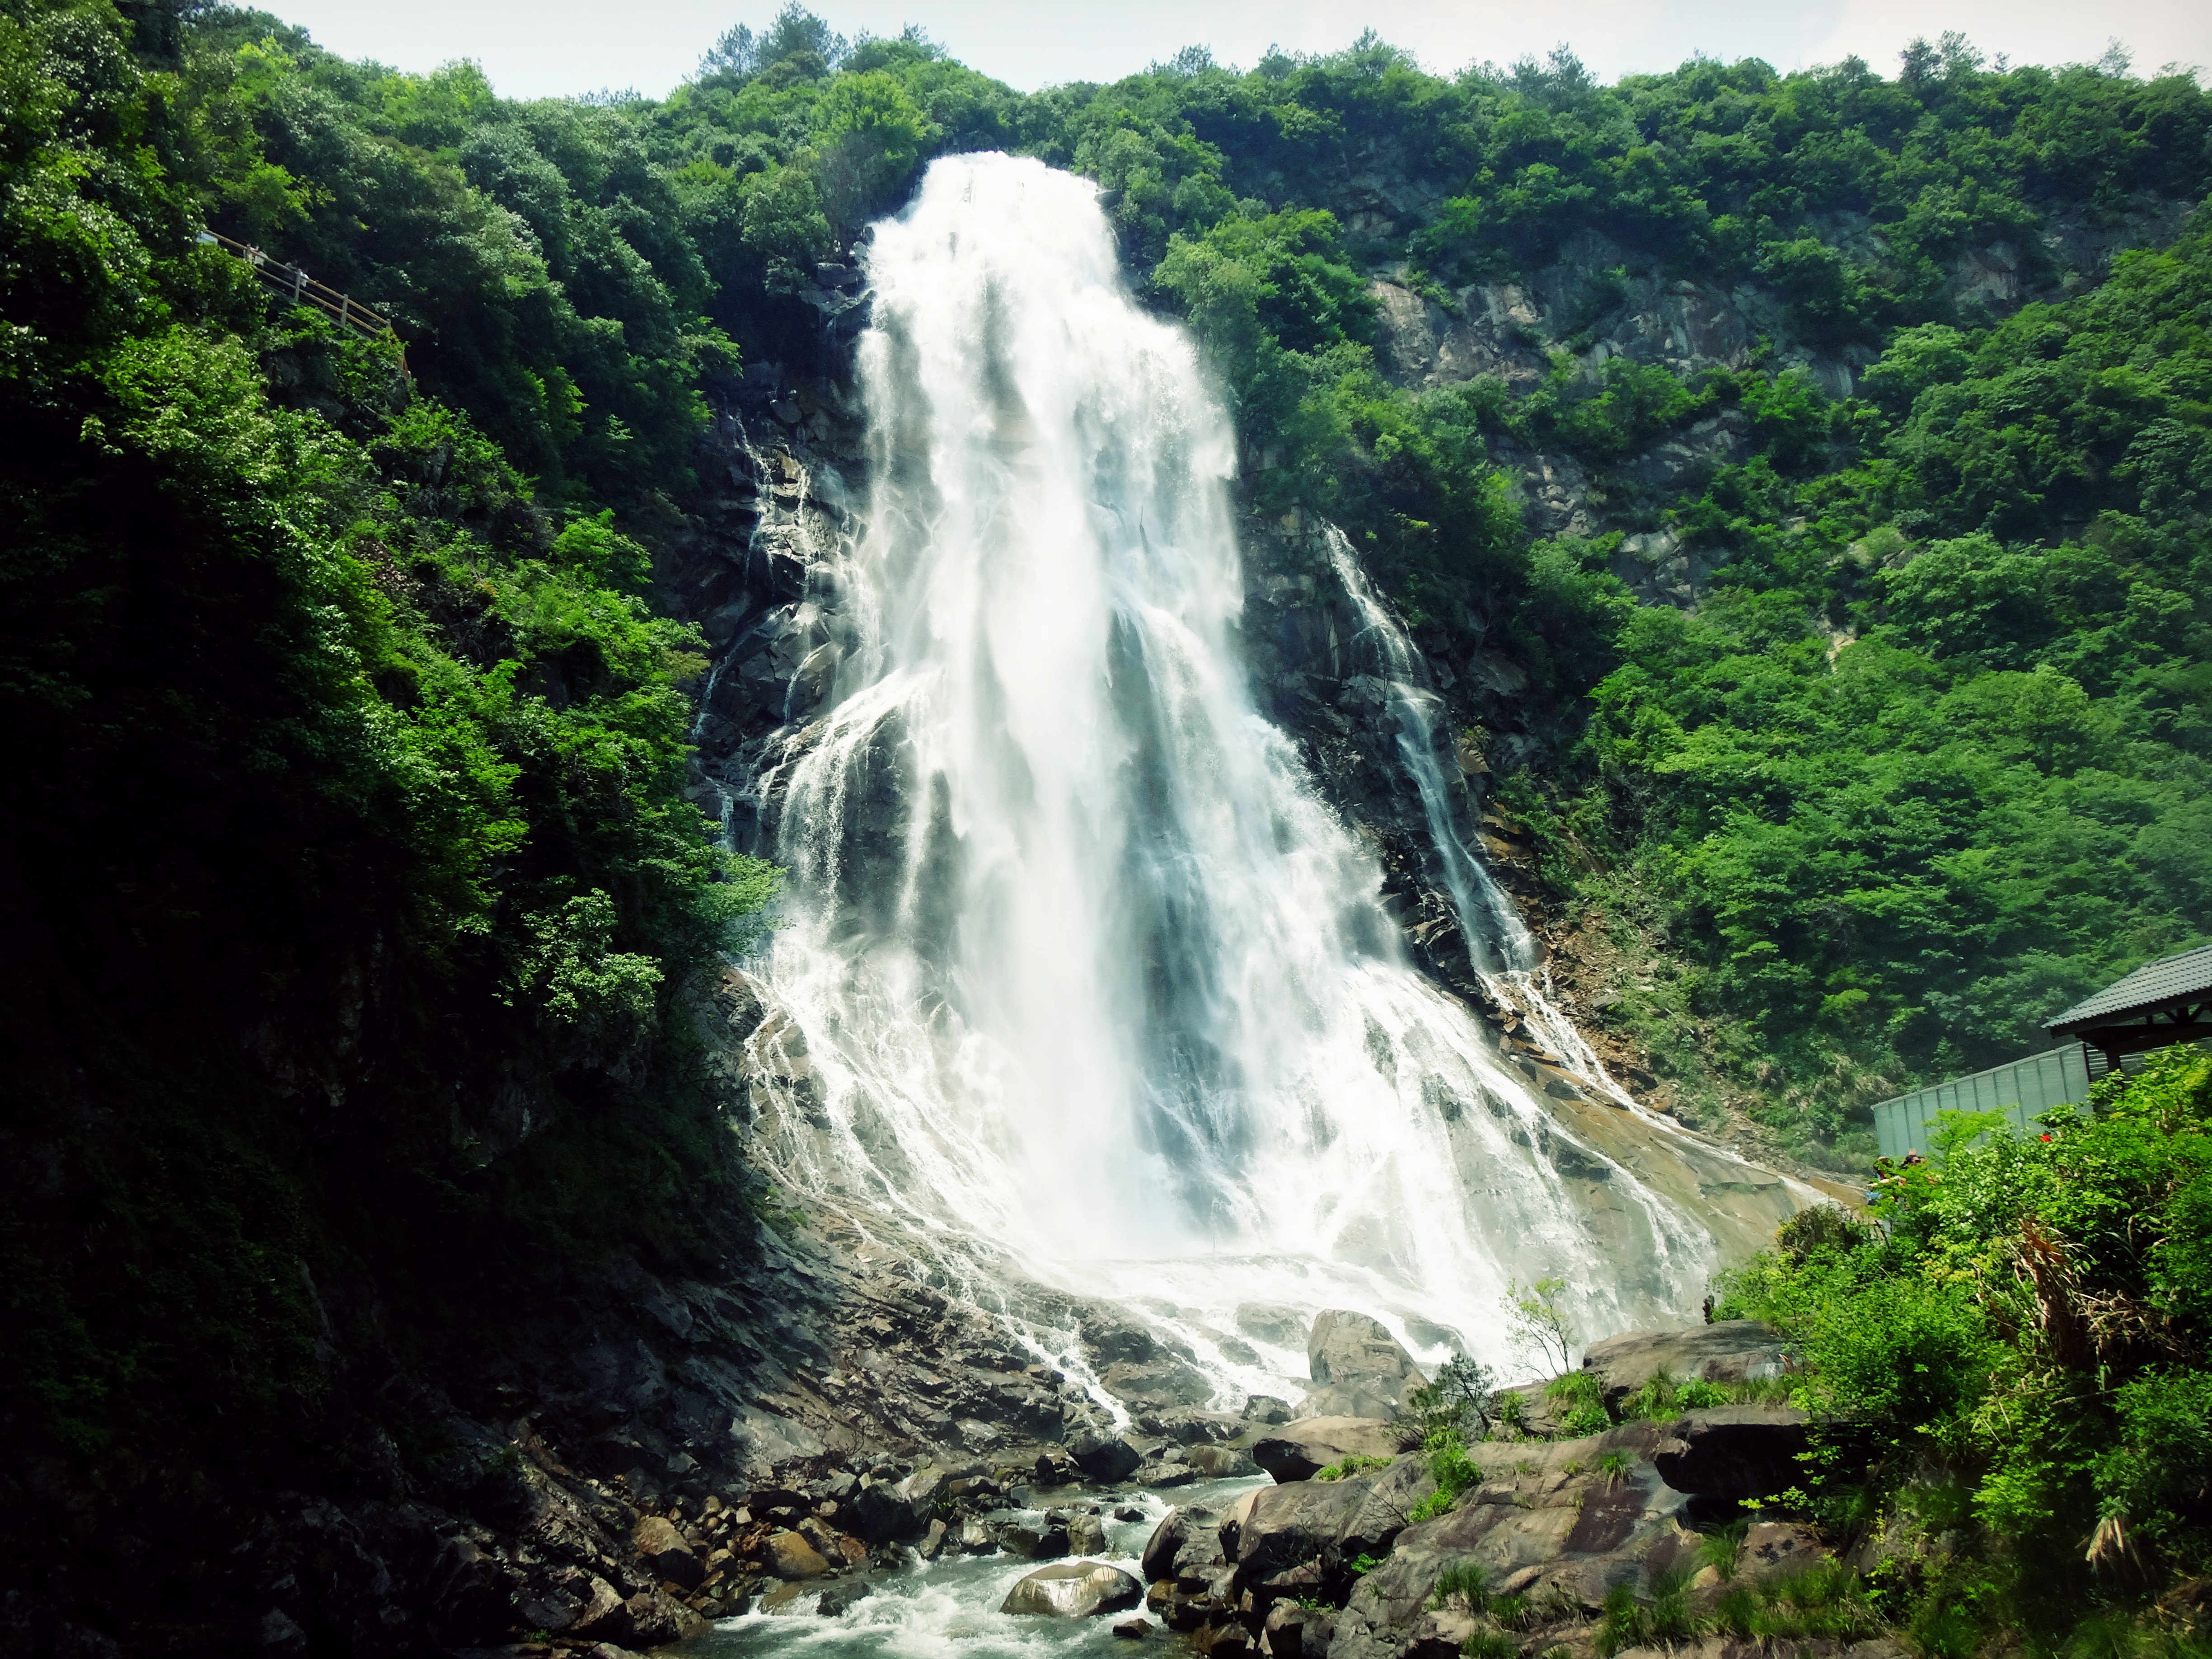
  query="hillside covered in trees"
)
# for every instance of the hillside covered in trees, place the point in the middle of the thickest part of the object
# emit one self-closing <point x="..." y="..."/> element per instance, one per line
<point x="347" y="728"/>
<point x="1868" y="867"/>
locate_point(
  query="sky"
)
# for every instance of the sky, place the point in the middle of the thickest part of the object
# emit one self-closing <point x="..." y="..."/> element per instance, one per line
<point x="549" y="48"/>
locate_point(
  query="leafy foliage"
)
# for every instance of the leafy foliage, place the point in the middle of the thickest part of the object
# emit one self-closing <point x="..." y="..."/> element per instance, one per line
<point x="352" y="889"/>
<point x="2028" y="1325"/>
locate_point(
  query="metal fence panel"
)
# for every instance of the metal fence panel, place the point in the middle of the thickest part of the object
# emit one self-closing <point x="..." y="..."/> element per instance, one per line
<point x="2021" y="1089"/>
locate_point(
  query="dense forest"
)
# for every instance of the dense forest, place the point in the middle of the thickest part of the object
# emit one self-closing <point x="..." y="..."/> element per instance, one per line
<point x="1863" y="867"/>
<point x="345" y="727"/>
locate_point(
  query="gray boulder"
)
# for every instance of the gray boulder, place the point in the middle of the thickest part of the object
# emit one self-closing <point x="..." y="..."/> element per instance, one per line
<point x="1219" y="1462"/>
<point x="1101" y="1454"/>
<point x="877" y="1513"/>
<point x="1731" y="1351"/>
<point x="1300" y="1450"/>
<point x="1358" y="1369"/>
<point x="1073" y="1590"/>
<point x="1281" y="1530"/>
<point x="1185" y="1549"/>
<point x="1039" y="1543"/>
<point x="1734" y="1451"/>
<point x="662" y="1550"/>
<point x="1183" y="1426"/>
<point x="1086" y="1536"/>
<point x="1161" y="1381"/>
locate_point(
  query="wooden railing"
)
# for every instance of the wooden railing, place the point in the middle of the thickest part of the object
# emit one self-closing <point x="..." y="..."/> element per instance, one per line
<point x="302" y="288"/>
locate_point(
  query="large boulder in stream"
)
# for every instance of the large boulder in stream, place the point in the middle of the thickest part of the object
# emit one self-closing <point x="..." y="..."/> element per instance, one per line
<point x="1184" y="1549"/>
<point x="1358" y="1369"/>
<point x="1101" y="1454"/>
<point x="1074" y="1590"/>
<point x="1300" y="1450"/>
<point x="1277" y="1529"/>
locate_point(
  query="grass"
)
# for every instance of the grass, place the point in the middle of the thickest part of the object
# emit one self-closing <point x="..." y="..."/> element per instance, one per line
<point x="1765" y="1390"/>
<point x="1351" y="1465"/>
<point x="1509" y="1411"/>
<point x="1466" y="1579"/>
<point x="1488" y="1644"/>
<point x="1430" y="1507"/>
<point x="1721" y="1545"/>
<point x="1579" y="1401"/>
<point x="1613" y="1466"/>
<point x="1511" y="1611"/>
<point x="1630" y="1620"/>
<point x="1825" y="1600"/>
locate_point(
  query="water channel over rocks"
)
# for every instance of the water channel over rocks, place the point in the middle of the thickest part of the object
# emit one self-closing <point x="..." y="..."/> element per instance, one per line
<point x="950" y="1606"/>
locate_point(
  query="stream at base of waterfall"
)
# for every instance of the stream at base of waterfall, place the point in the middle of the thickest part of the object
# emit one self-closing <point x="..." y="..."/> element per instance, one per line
<point x="1082" y="982"/>
<point x="953" y="1605"/>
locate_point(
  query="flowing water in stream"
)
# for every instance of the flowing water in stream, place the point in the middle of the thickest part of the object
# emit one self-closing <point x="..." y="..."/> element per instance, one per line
<point x="1094" y="985"/>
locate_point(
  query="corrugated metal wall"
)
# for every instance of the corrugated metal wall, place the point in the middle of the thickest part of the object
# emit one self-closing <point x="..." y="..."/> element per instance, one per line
<point x="2058" y="1076"/>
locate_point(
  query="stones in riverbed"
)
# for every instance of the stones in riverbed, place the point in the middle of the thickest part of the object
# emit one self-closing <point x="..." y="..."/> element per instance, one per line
<point x="1086" y="1536"/>
<point x="785" y="1600"/>
<point x="1102" y="1455"/>
<point x="1034" y="1543"/>
<point x="1074" y="1590"/>
<point x="790" y="1556"/>
<point x="1165" y="1474"/>
<point x="662" y="1548"/>
<point x="1133" y="1630"/>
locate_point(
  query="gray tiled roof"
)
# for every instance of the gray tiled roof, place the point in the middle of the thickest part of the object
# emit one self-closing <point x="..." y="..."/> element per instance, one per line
<point x="2154" y="982"/>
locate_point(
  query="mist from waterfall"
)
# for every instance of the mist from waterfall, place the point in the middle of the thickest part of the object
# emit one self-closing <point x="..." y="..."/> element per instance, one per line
<point x="1094" y="984"/>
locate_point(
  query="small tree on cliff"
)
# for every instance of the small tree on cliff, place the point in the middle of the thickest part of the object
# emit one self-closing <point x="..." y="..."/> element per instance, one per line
<point x="1536" y="1324"/>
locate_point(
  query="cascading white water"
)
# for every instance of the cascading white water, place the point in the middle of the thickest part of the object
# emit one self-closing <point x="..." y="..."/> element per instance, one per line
<point x="1499" y="942"/>
<point x="1091" y="979"/>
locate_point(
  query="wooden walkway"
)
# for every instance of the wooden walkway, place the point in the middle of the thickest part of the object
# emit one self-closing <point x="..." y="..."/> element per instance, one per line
<point x="302" y="288"/>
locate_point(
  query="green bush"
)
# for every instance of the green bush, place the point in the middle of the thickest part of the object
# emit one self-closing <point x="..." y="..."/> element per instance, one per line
<point x="2016" y="1346"/>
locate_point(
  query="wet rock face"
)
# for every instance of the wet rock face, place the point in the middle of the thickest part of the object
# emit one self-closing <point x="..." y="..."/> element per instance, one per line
<point x="1074" y="1590"/>
<point x="1271" y="1322"/>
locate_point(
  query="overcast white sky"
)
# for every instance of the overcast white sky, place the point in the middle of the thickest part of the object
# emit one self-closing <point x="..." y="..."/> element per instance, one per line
<point x="538" y="48"/>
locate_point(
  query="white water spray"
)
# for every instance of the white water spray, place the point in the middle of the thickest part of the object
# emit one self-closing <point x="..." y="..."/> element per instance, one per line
<point x="1091" y="981"/>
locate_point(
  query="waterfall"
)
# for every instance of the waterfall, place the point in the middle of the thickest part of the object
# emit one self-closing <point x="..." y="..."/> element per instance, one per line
<point x="1092" y="982"/>
<point x="1498" y="941"/>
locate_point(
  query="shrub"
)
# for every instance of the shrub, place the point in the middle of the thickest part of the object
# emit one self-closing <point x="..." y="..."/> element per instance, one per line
<point x="1468" y="1580"/>
<point x="1351" y="1465"/>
